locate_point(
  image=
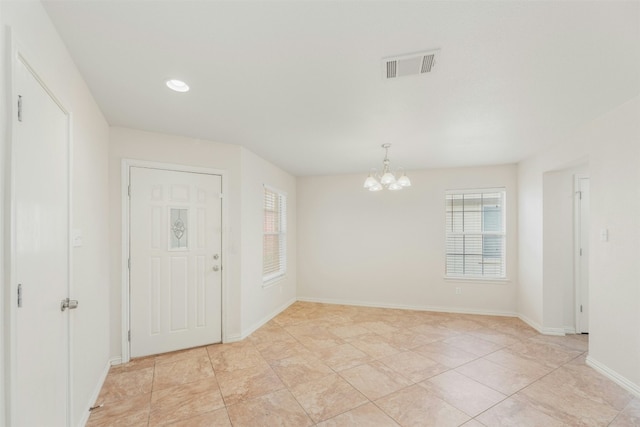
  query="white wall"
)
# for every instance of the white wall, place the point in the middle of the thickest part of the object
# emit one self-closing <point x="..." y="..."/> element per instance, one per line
<point x="260" y="303"/>
<point x="614" y="298"/>
<point x="612" y="145"/>
<point x="388" y="248"/>
<point x="530" y="244"/>
<point x="36" y="35"/>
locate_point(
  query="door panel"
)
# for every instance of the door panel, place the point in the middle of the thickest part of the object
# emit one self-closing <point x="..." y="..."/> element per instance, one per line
<point x="40" y="161"/>
<point x="175" y="245"/>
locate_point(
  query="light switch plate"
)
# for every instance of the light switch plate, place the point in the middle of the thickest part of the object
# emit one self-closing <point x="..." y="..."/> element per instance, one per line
<point x="604" y="235"/>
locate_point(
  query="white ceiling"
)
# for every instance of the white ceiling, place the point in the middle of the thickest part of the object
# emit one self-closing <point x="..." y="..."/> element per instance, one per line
<point x="300" y="82"/>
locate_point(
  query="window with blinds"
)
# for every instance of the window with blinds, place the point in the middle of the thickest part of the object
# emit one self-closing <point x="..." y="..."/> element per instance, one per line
<point x="274" y="241"/>
<point x="476" y="234"/>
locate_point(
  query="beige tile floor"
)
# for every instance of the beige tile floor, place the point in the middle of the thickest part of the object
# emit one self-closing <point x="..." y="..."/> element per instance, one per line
<point x="331" y="365"/>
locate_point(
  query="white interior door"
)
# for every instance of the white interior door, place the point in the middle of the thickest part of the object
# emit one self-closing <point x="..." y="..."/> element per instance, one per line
<point x="583" y="290"/>
<point x="175" y="248"/>
<point x="40" y="211"/>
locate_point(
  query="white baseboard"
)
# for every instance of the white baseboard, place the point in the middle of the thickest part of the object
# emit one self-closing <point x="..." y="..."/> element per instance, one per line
<point x="264" y="320"/>
<point x="115" y="361"/>
<point x="614" y="376"/>
<point x="541" y="329"/>
<point x="570" y="330"/>
<point x="410" y="307"/>
<point x="560" y="332"/>
<point x="232" y="338"/>
<point x="534" y="325"/>
<point x="96" y="392"/>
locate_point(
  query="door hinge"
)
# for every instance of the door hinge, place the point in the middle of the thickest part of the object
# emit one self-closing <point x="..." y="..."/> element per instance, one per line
<point x="129" y="336"/>
<point x="19" y="295"/>
<point x="580" y="308"/>
<point x="129" y="190"/>
<point x="129" y="263"/>
<point x="221" y="195"/>
<point x="580" y="251"/>
<point x="19" y="108"/>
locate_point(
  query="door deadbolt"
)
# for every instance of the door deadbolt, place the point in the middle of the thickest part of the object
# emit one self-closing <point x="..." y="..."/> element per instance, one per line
<point x="216" y="256"/>
<point x="68" y="303"/>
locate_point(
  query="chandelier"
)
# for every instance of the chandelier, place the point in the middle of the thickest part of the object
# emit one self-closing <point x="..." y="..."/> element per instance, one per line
<point x="386" y="179"/>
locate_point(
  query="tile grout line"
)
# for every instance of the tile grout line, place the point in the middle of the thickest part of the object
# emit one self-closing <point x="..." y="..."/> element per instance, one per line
<point x="215" y="376"/>
<point x="529" y="385"/>
<point x="153" y="379"/>
<point x="336" y="373"/>
<point x="344" y="379"/>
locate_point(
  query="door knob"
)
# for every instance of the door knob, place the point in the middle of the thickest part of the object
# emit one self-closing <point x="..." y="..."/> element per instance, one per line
<point x="68" y="303"/>
<point x="216" y="268"/>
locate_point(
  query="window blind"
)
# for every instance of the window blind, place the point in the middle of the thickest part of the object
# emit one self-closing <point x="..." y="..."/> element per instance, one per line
<point x="475" y="229"/>
<point x="274" y="250"/>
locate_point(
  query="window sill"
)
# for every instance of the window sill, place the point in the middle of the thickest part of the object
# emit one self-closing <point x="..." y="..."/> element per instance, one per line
<point x="494" y="280"/>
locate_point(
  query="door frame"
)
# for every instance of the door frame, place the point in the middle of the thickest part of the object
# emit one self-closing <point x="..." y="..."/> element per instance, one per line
<point x="127" y="164"/>
<point x="577" y="229"/>
<point x="19" y="54"/>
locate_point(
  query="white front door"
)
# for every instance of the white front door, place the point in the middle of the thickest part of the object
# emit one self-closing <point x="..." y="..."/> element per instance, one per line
<point x="40" y="228"/>
<point x="175" y="249"/>
<point x="583" y="287"/>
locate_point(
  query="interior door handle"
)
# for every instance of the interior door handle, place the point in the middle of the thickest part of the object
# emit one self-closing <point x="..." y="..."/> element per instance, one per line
<point x="68" y="303"/>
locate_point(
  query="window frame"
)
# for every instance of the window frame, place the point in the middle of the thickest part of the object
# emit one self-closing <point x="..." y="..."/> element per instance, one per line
<point x="272" y="277"/>
<point x="502" y="234"/>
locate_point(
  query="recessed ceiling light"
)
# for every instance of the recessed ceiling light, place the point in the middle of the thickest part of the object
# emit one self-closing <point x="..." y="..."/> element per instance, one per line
<point x="177" y="85"/>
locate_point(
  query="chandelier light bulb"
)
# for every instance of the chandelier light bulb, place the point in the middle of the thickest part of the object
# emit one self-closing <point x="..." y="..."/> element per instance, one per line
<point x="404" y="181"/>
<point x="370" y="182"/>
<point x="376" y="187"/>
<point x="387" y="179"/>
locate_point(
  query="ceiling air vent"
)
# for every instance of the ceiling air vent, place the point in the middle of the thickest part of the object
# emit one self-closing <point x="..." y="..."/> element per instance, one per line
<point x="409" y="65"/>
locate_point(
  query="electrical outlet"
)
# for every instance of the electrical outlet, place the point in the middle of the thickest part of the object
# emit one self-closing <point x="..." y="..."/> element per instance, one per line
<point x="458" y="290"/>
